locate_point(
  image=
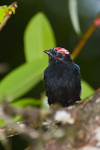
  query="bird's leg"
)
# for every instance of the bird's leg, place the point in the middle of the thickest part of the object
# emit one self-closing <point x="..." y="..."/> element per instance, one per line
<point x="82" y="103"/>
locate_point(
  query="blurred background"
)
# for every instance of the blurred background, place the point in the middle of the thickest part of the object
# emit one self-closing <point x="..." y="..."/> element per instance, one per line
<point x="57" y="12"/>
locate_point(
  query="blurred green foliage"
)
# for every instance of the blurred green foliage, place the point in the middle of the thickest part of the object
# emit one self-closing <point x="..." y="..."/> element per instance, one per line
<point x="38" y="37"/>
<point x="24" y="102"/>
<point x="21" y="80"/>
<point x="73" y="12"/>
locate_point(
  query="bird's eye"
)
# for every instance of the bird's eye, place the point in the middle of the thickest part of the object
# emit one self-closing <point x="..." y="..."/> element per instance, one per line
<point x="59" y="55"/>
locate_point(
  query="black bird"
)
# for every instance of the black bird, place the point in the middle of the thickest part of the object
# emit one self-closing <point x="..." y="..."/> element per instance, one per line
<point x="62" y="78"/>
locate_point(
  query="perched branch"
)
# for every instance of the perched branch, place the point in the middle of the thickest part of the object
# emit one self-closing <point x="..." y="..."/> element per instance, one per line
<point x="71" y="128"/>
<point x="32" y="119"/>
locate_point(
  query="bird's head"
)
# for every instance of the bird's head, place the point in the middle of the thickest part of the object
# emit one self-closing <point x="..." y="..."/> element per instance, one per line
<point x="58" y="54"/>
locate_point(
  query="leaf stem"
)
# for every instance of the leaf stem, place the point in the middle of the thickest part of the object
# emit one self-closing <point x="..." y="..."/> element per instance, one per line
<point x="86" y="36"/>
<point x="8" y="15"/>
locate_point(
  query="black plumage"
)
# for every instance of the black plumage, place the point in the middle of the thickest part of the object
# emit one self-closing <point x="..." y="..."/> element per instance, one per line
<point x="62" y="78"/>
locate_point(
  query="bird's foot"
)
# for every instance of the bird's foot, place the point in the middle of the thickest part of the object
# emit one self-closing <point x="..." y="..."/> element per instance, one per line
<point x="81" y="103"/>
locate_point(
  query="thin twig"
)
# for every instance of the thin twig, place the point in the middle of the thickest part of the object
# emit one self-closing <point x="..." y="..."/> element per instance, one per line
<point x="86" y="36"/>
<point x="8" y="15"/>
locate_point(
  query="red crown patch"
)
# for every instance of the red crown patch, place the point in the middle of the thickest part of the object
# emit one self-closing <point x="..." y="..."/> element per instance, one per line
<point x="62" y="50"/>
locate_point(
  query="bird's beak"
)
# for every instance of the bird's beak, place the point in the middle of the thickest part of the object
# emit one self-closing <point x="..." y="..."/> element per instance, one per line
<point x="48" y="52"/>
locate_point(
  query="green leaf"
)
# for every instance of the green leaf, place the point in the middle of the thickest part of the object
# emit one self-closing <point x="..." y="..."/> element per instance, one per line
<point x="38" y="37"/>
<point x="21" y="80"/>
<point x="17" y="118"/>
<point x="11" y="8"/>
<point x="2" y="123"/>
<point x="2" y="14"/>
<point x="86" y="89"/>
<point x="3" y="7"/>
<point x="24" y="102"/>
<point x="73" y="12"/>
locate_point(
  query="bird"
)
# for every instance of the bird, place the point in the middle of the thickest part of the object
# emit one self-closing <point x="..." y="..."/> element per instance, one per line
<point x="62" y="78"/>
